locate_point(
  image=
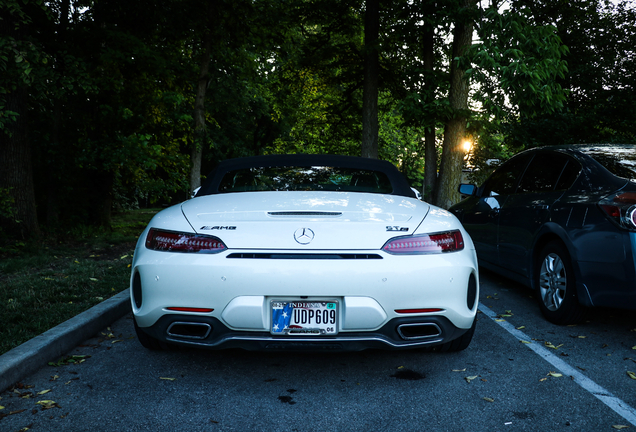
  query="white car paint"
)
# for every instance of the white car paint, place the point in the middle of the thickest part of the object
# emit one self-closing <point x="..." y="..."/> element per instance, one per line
<point x="369" y="292"/>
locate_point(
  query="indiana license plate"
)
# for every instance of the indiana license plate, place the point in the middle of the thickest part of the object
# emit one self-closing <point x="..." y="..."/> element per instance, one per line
<point x="304" y="318"/>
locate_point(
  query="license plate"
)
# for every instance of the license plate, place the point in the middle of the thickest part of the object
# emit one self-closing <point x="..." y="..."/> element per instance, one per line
<point x="304" y="318"/>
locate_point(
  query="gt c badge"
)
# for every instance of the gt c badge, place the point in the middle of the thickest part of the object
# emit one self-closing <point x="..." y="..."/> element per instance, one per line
<point x="303" y="236"/>
<point x="397" y="228"/>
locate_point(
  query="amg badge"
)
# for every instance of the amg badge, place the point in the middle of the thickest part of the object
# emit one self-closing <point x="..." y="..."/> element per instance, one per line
<point x="397" y="228"/>
<point x="218" y="227"/>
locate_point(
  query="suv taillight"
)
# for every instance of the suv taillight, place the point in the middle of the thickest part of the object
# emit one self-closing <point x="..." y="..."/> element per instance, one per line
<point x="450" y="241"/>
<point x="620" y="208"/>
<point x="172" y="241"/>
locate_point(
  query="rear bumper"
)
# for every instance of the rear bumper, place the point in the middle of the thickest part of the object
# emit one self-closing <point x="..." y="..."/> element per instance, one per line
<point x="239" y="291"/>
<point x="398" y="333"/>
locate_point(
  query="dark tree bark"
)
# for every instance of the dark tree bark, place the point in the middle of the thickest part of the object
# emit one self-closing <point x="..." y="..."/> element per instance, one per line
<point x="200" y="129"/>
<point x="52" y="166"/>
<point x="455" y="128"/>
<point x="430" y="150"/>
<point x="16" y="172"/>
<point x="371" y="72"/>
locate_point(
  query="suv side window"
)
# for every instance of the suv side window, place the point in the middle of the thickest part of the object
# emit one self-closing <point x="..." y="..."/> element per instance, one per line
<point x="504" y="180"/>
<point x="543" y="173"/>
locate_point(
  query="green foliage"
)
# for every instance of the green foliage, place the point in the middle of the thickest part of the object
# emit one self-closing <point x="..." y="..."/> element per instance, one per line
<point x="316" y="80"/>
<point x="111" y="97"/>
<point x="402" y="145"/>
<point x="19" y="53"/>
<point x="517" y="65"/>
<point x="601" y="99"/>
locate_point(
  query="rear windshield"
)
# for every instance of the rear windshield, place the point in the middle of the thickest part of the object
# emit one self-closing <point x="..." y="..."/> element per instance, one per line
<point x="620" y="161"/>
<point x="294" y="178"/>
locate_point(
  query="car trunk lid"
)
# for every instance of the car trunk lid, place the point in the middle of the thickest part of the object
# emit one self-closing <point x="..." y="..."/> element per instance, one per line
<point x="304" y="220"/>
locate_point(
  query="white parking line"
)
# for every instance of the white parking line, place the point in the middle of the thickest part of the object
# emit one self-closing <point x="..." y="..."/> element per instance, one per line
<point x="620" y="407"/>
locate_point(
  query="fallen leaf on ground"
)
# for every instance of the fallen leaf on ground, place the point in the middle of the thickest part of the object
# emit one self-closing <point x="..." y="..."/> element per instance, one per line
<point x="459" y="370"/>
<point x="632" y="375"/>
<point x="521" y="327"/>
<point x="487" y="399"/>
<point x="47" y="404"/>
<point x="43" y="392"/>
<point x="620" y="427"/>
<point x="470" y="378"/>
<point x="167" y="379"/>
<point x="555" y="374"/>
<point x="526" y="342"/>
<point x="550" y="345"/>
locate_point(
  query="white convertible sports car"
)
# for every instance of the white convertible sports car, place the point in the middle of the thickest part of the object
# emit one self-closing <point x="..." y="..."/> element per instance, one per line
<point x="309" y="252"/>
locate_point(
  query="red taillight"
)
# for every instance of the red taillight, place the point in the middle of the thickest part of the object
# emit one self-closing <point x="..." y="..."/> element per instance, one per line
<point x="450" y="241"/>
<point x="171" y="241"/>
<point x="418" y="311"/>
<point x="189" y="309"/>
<point x="621" y="209"/>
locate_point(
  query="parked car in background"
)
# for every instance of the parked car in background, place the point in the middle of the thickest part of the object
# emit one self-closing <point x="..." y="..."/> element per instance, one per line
<point x="561" y="220"/>
<point x="314" y="252"/>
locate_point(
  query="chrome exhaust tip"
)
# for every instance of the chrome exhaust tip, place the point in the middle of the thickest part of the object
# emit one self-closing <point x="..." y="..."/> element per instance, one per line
<point x="189" y="330"/>
<point x="419" y="331"/>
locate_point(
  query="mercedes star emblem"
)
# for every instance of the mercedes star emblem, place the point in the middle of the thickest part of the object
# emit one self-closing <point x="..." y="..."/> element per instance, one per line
<point x="304" y="235"/>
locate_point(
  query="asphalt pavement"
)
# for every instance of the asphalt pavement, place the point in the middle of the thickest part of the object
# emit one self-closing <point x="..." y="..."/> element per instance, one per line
<point x="54" y="343"/>
<point x="521" y="373"/>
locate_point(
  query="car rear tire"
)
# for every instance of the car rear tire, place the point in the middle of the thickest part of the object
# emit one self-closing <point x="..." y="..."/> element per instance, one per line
<point x="148" y="341"/>
<point x="556" y="286"/>
<point x="459" y="344"/>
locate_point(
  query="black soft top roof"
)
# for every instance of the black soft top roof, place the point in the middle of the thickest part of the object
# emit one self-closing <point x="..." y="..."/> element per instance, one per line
<point x="398" y="181"/>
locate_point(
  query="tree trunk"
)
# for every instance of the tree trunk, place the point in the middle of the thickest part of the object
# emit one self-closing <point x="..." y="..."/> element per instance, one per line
<point x="102" y="183"/>
<point x="52" y="164"/>
<point x="455" y="128"/>
<point x="371" y="71"/>
<point x="430" y="149"/>
<point x="200" y="129"/>
<point x="16" y="172"/>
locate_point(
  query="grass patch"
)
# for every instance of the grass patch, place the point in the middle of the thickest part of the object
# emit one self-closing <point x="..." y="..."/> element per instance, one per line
<point x="44" y="285"/>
